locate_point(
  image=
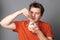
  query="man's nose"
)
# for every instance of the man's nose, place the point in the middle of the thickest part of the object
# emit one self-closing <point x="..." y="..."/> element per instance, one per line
<point x="33" y="15"/>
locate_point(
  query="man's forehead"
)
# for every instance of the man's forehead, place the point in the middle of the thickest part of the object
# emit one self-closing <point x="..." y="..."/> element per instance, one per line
<point x="35" y="10"/>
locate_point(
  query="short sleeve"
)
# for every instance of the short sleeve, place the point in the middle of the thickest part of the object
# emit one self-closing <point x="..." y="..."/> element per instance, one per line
<point x="49" y="32"/>
<point x="17" y="24"/>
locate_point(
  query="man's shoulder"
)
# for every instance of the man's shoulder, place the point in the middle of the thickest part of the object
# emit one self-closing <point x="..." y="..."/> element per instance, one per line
<point x="44" y="23"/>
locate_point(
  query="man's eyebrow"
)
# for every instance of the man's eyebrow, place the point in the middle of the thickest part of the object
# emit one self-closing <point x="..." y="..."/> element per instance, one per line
<point x="31" y="11"/>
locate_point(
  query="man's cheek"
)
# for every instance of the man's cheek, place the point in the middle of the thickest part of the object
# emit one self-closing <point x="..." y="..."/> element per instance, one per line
<point x="36" y="17"/>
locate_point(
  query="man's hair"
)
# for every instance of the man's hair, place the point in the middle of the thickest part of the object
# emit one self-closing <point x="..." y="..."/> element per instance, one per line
<point x="37" y="5"/>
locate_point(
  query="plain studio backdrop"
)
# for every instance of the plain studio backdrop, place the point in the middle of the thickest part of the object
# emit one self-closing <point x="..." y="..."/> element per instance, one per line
<point x="51" y="15"/>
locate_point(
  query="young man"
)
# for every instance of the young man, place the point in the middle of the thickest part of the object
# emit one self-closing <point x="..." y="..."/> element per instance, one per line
<point x="33" y="28"/>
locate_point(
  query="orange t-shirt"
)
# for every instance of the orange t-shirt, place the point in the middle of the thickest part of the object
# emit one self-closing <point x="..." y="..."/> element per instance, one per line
<point x="25" y="34"/>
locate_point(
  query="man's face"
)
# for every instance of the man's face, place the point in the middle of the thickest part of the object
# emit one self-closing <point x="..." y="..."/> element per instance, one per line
<point x="35" y="14"/>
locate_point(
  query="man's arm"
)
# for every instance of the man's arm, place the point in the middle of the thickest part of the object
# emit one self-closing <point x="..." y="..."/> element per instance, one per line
<point x="7" y="22"/>
<point x="42" y="37"/>
<point x="39" y="33"/>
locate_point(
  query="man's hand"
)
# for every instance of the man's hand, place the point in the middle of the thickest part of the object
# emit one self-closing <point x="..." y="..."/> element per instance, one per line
<point x="24" y="12"/>
<point x="33" y="27"/>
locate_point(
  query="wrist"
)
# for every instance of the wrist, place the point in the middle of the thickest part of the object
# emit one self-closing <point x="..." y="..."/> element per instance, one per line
<point x="38" y="31"/>
<point x="19" y="12"/>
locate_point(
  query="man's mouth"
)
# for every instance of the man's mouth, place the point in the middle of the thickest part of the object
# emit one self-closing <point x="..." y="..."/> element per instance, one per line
<point x="33" y="18"/>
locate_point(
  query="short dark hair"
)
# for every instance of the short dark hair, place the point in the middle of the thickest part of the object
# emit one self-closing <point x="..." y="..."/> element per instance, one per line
<point x="37" y="5"/>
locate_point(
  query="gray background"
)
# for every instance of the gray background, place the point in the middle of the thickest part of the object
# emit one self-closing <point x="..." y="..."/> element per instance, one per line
<point x="51" y="15"/>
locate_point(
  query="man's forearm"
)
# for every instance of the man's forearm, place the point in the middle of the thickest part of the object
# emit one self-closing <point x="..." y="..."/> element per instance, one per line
<point x="10" y="18"/>
<point x="41" y="35"/>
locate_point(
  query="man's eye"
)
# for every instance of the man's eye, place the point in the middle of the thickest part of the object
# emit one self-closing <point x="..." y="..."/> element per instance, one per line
<point x="37" y="13"/>
<point x="31" y="12"/>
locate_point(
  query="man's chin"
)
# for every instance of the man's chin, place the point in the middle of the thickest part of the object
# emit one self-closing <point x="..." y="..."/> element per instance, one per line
<point x="34" y="21"/>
